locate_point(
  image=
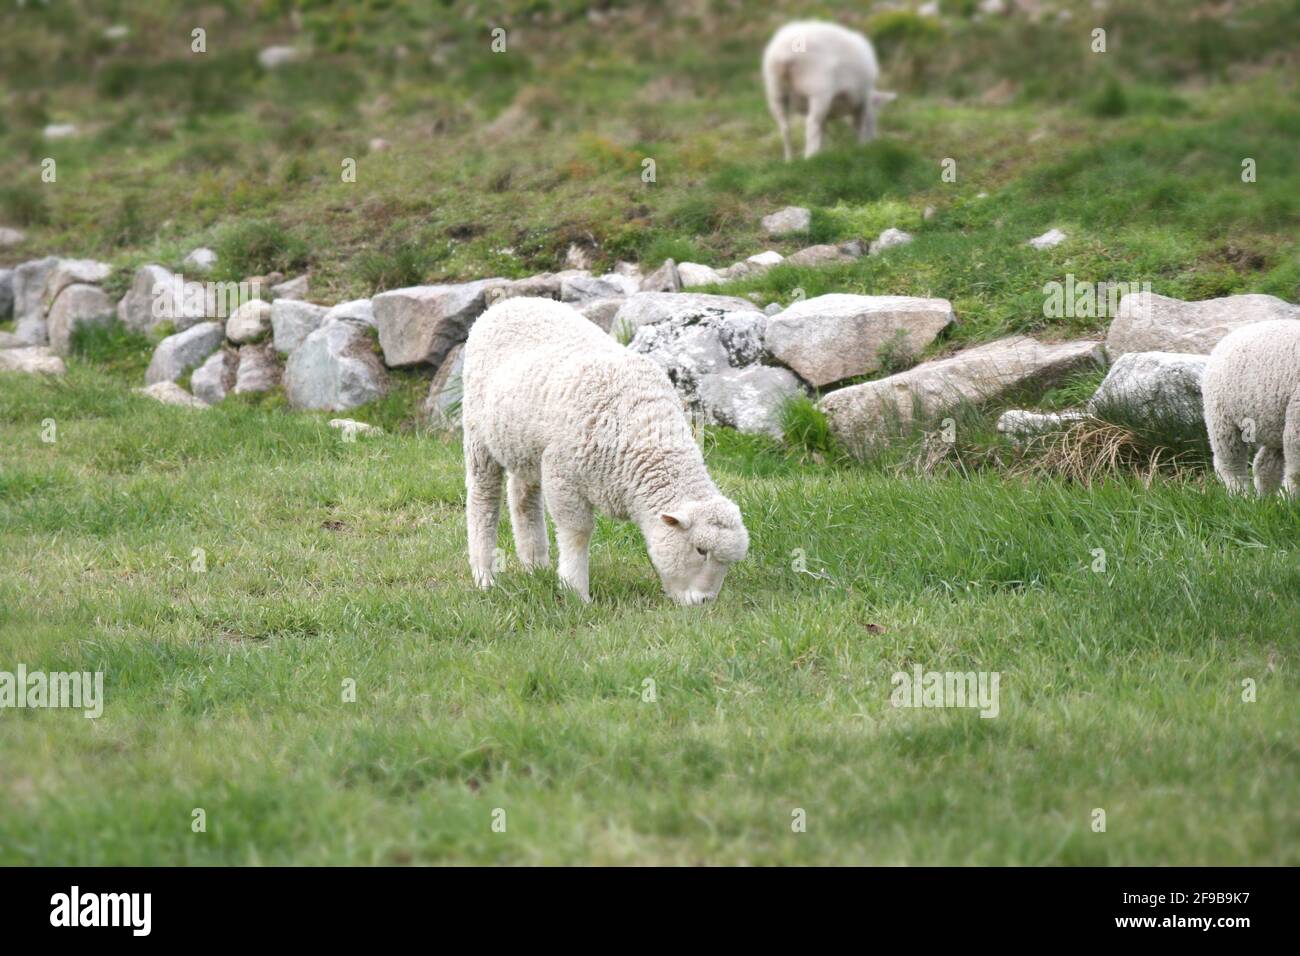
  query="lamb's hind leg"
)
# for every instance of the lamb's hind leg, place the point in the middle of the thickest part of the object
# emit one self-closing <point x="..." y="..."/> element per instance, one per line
<point x="819" y="109"/>
<point x="1291" y="449"/>
<point x="573" y="526"/>
<point x="528" y="522"/>
<point x="1268" y="471"/>
<point x="482" y="510"/>
<point x="1231" y="454"/>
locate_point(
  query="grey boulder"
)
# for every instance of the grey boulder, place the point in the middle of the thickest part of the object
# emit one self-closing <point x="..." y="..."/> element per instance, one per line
<point x="442" y="407"/>
<point x="32" y="359"/>
<point x="215" y="378"/>
<point x="184" y="350"/>
<point x="863" y="415"/>
<point x="420" y="325"/>
<point x="335" y="368"/>
<point x="1147" y="322"/>
<point x="292" y="321"/>
<point x="1158" y="391"/>
<point x="833" y="337"/>
<point x="77" y="306"/>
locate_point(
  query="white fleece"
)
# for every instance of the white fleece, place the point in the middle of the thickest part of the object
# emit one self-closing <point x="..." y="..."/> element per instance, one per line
<point x="1251" y="392"/>
<point x="581" y="423"/>
<point x="823" y="71"/>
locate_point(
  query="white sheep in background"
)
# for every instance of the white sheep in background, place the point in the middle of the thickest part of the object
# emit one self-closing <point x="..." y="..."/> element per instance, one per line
<point x="580" y="423"/>
<point x="1251" y="391"/>
<point x="824" y="71"/>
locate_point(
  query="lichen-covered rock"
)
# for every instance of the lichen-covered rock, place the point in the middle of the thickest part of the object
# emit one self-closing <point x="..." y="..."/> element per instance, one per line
<point x="647" y="308"/>
<point x="693" y="345"/>
<point x="749" y="399"/>
<point x="292" y="321"/>
<point x="420" y="325"/>
<point x="76" y="307"/>
<point x="335" y="368"/>
<point x="184" y="350"/>
<point x="833" y="337"/>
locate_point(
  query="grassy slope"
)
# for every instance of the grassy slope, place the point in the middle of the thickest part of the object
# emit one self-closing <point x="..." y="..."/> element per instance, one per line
<point x="329" y="560"/>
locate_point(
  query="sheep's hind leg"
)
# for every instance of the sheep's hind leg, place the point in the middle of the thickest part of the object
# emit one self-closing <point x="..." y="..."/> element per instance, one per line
<point x="1268" y="471"/>
<point x="573" y="526"/>
<point x="482" y="511"/>
<point x="528" y="522"/>
<point x="1231" y="454"/>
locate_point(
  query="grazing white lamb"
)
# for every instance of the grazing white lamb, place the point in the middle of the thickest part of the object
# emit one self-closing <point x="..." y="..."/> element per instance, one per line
<point x="823" y="71"/>
<point x="580" y="423"/>
<point x="1251" y="392"/>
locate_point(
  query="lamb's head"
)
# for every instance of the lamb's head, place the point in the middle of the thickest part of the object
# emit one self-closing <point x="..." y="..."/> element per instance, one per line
<point x="693" y="544"/>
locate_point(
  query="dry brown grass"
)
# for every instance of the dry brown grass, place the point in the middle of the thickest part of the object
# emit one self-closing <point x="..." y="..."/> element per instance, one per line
<point x="1092" y="451"/>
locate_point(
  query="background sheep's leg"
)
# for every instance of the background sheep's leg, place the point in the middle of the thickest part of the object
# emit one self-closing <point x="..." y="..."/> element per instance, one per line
<point x="482" y="510"/>
<point x="818" y="110"/>
<point x="1268" y="471"/>
<point x="528" y="522"/>
<point x="573" y="526"/>
<point x="866" y="121"/>
<point x="1231" y="454"/>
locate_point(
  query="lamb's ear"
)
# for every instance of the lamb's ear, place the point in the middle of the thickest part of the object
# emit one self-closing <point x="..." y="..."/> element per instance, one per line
<point x="881" y="97"/>
<point x="678" y="520"/>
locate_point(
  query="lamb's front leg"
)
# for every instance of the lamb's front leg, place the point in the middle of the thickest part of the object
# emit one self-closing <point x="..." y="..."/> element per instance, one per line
<point x="574" y="522"/>
<point x="482" y="511"/>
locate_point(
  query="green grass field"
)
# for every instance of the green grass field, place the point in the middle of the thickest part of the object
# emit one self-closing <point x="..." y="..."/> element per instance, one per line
<point x="1144" y="624"/>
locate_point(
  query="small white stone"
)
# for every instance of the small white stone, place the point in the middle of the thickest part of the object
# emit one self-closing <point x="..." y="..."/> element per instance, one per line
<point x="1053" y="237"/>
